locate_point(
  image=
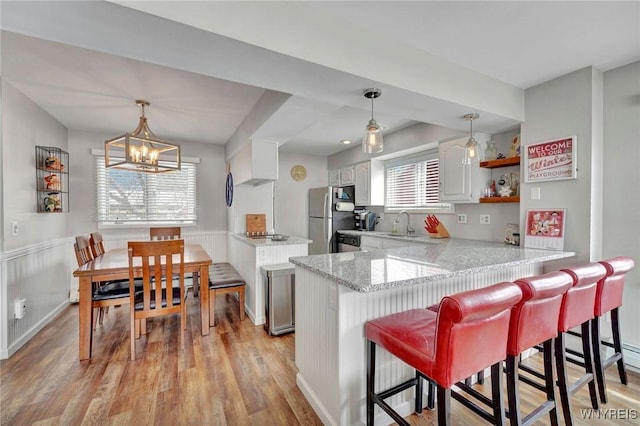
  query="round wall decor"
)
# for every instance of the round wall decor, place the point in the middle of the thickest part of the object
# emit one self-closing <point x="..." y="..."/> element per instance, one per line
<point x="229" y="189"/>
<point x="298" y="173"/>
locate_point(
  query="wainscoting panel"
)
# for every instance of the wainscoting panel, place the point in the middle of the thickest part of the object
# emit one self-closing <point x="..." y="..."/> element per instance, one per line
<point x="42" y="274"/>
<point x="39" y="274"/>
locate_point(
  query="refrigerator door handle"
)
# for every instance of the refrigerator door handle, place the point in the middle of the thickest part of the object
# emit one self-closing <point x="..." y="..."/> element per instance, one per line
<point x="325" y="229"/>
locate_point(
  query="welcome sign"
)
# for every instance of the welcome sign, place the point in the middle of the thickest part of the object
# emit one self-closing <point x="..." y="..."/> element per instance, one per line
<point x="550" y="160"/>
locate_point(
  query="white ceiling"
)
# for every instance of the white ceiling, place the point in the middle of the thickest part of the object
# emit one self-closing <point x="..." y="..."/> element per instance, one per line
<point x="205" y="65"/>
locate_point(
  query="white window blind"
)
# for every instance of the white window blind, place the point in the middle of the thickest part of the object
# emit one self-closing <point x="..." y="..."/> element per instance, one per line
<point x="124" y="196"/>
<point x="413" y="183"/>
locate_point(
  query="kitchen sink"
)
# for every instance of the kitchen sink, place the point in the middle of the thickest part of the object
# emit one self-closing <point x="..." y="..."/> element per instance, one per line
<point x="402" y="235"/>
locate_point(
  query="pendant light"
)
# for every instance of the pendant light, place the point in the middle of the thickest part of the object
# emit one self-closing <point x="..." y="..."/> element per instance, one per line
<point x="141" y="150"/>
<point x="372" y="139"/>
<point x="472" y="148"/>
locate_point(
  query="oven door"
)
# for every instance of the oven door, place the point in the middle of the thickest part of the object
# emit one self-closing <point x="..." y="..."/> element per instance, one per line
<point x="348" y="243"/>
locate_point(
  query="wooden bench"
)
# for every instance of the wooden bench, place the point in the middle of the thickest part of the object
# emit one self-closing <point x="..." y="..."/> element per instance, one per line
<point x="223" y="278"/>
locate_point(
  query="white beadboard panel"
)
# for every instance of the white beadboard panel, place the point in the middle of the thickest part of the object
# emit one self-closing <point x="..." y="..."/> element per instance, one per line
<point x="330" y="342"/>
<point x="213" y="242"/>
<point x="40" y="274"/>
<point x="248" y="260"/>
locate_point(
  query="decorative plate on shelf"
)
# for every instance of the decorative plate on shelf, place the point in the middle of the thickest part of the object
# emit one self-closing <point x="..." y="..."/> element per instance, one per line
<point x="298" y="173"/>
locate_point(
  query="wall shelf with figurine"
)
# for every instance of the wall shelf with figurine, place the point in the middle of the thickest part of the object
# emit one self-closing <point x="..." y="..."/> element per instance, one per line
<point x="495" y="164"/>
<point x="52" y="180"/>
<point x="501" y="162"/>
<point x="510" y="199"/>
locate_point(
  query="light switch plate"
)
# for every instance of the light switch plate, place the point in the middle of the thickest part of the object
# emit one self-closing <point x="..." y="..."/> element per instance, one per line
<point x="535" y="192"/>
<point x="14" y="229"/>
<point x="461" y="218"/>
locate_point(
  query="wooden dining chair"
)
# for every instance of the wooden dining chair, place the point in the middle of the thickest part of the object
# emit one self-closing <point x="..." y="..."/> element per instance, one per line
<point x="103" y="294"/>
<point x="96" y="244"/>
<point x="166" y="233"/>
<point x="173" y="233"/>
<point x="155" y="300"/>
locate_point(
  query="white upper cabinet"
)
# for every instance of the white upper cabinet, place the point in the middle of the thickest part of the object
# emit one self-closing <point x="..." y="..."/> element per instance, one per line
<point x="342" y="177"/>
<point x="347" y="176"/>
<point x="459" y="182"/>
<point x="369" y="181"/>
<point x="334" y="177"/>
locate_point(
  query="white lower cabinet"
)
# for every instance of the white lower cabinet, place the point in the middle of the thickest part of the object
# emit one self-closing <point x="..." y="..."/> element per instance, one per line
<point x="369" y="243"/>
<point x="375" y="243"/>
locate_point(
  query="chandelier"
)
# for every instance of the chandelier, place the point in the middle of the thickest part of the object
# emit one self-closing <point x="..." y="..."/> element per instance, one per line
<point x="141" y="150"/>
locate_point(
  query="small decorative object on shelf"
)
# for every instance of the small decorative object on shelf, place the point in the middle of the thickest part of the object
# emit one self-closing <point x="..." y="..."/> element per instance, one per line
<point x="514" y="151"/>
<point x="52" y="180"/>
<point x="490" y="152"/>
<point x="512" y="234"/>
<point x="434" y="227"/>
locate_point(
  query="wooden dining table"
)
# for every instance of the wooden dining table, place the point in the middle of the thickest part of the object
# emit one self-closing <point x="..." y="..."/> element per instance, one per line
<point x="114" y="265"/>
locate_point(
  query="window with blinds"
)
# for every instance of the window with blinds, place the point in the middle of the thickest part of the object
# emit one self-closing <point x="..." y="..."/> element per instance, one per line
<point x="412" y="183"/>
<point x="123" y="196"/>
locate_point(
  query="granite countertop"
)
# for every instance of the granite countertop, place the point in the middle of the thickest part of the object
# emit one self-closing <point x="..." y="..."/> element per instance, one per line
<point x="269" y="242"/>
<point x="436" y="259"/>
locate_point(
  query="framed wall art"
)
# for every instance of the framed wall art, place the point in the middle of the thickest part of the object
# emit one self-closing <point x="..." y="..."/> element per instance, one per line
<point x="551" y="160"/>
<point x="545" y="229"/>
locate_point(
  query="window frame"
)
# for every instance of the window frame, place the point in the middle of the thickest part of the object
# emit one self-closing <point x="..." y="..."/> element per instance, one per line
<point x="427" y="155"/>
<point x="143" y="223"/>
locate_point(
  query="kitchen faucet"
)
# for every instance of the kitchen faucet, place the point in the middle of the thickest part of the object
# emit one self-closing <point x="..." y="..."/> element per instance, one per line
<point x="410" y="230"/>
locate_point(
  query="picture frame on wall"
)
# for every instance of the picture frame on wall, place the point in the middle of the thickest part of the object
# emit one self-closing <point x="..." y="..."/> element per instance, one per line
<point x="545" y="229"/>
<point x="554" y="159"/>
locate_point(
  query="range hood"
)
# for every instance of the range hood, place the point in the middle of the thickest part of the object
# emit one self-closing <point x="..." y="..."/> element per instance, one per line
<point x="255" y="164"/>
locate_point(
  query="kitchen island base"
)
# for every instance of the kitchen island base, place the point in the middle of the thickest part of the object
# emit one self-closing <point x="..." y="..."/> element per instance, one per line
<point x="330" y="344"/>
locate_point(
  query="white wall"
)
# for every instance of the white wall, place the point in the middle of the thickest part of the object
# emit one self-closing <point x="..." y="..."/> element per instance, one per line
<point x="212" y="215"/>
<point x="25" y="125"/>
<point x="621" y="228"/>
<point x="558" y="108"/>
<point x="292" y="197"/>
<point x="37" y="263"/>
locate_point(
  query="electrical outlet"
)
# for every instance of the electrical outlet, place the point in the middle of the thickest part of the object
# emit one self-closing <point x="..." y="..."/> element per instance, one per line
<point x="461" y="218"/>
<point x="485" y="219"/>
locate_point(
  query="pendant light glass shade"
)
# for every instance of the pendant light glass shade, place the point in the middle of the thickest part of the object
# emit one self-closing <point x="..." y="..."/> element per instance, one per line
<point x="372" y="140"/>
<point x="473" y="151"/>
<point x="141" y="150"/>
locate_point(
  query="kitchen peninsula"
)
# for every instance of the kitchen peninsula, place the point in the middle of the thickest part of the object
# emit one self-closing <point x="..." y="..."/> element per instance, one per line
<point x="337" y="293"/>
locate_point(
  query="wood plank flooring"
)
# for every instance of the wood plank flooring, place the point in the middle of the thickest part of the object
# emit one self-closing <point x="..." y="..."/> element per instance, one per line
<point x="238" y="375"/>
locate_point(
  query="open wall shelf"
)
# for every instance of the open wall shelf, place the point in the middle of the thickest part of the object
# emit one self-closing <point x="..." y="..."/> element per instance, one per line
<point x="52" y="180"/>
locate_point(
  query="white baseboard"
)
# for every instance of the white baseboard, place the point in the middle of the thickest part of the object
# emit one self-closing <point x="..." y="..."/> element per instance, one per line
<point x="317" y="406"/>
<point x="631" y="356"/>
<point x="33" y="331"/>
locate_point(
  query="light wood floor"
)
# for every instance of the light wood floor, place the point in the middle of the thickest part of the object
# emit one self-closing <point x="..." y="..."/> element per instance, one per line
<point x="238" y="375"/>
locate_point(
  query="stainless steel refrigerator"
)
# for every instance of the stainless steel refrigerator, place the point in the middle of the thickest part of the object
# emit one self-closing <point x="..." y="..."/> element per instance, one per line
<point x="325" y="219"/>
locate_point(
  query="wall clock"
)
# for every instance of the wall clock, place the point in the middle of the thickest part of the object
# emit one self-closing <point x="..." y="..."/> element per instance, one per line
<point x="298" y="173"/>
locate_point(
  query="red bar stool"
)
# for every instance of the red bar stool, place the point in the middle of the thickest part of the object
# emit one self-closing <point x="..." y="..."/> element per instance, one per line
<point x="467" y="334"/>
<point x="577" y="310"/>
<point x="534" y="321"/>
<point x="609" y="299"/>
